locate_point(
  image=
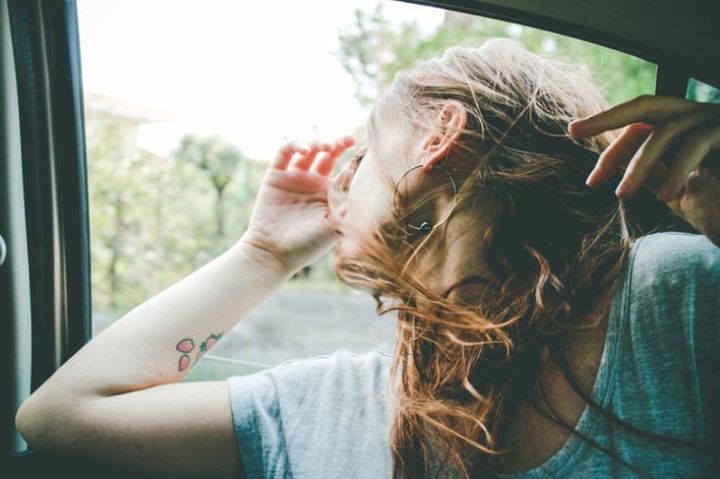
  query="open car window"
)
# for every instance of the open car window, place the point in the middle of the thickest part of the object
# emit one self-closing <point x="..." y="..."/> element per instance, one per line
<point x="185" y="104"/>
<point x="699" y="91"/>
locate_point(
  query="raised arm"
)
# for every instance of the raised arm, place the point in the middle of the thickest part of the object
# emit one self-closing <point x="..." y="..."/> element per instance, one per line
<point x="118" y="399"/>
<point x="669" y="144"/>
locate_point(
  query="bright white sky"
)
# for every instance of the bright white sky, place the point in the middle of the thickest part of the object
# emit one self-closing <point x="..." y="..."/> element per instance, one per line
<point x="258" y="73"/>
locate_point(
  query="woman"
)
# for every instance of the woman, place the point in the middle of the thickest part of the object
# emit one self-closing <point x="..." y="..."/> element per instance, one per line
<point x="539" y="334"/>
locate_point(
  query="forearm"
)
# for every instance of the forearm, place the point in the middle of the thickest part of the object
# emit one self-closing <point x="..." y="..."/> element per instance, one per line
<point x="144" y="348"/>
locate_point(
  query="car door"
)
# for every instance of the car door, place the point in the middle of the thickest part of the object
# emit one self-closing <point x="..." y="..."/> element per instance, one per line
<point x="44" y="279"/>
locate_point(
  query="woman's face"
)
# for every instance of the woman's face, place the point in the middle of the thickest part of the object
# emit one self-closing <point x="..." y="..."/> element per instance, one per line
<point x="361" y="200"/>
<point x="364" y="197"/>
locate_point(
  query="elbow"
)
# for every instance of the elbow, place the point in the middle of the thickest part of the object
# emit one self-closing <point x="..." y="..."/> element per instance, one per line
<point x="29" y="423"/>
<point x="24" y="424"/>
<point x="40" y="424"/>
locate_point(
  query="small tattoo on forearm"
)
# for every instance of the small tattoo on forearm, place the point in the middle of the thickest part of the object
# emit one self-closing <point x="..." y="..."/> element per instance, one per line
<point x="187" y="345"/>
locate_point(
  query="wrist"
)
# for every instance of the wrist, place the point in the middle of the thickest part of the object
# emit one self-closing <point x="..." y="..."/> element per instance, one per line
<point x="262" y="256"/>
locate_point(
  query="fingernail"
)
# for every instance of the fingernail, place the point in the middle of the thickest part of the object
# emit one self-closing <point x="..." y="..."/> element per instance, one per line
<point x="591" y="177"/>
<point x="663" y="193"/>
<point x="620" y="190"/>
<point x="572" y="124"/>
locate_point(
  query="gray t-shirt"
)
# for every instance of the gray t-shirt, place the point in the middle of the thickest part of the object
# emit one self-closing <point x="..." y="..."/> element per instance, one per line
<point x="330" y="416"/>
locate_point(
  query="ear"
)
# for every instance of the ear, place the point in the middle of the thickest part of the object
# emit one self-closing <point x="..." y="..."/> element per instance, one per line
<point x="452" y="120"/>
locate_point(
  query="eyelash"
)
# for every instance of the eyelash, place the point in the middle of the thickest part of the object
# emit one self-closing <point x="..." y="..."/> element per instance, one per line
<point x="359" y="156"/>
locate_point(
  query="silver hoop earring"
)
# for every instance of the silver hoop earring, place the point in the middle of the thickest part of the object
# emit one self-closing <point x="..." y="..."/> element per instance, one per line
<point x="426" y="226"/>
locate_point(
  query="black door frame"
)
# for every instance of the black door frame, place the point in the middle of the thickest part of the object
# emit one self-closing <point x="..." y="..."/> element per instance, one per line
<point x="49" y="92"/>
<point x="47" y="65"/>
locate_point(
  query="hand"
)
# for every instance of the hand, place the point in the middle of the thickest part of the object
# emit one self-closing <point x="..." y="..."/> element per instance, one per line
<point x="667" y="145"/>
<point x="290" y="216"/>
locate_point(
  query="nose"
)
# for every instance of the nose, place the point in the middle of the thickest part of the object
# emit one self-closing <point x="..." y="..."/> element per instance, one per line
<point x="338" y="193"/>
<point x="344" y="179"/>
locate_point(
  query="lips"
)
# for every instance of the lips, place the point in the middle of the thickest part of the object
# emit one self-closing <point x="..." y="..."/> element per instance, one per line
<point x="337" y="211"/>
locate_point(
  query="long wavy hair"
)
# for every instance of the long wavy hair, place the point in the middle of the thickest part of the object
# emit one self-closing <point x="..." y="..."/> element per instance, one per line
<point x="551" y="243"/>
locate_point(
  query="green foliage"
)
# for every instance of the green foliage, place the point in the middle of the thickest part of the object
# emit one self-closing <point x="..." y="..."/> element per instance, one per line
<point x="154" y="220"/>
<point x="151" y="217"/>
<point x="216" y="158"/>
<point x="373" y="51"/>
<point x="700" y="91"/>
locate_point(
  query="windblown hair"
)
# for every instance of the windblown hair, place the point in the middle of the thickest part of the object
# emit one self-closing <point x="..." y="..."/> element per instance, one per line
<point x="551" y="243"/>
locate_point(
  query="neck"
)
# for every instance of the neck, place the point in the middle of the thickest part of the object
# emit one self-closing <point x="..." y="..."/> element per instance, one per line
<point x="455" y="251"/>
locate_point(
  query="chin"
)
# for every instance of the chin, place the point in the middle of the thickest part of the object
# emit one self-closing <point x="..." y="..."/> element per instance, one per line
<point x="345" y="259"/>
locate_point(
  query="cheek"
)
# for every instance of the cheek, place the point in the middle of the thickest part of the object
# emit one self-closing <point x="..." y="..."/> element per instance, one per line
<point x="366" y="200"/>
<point x="359" y="195"/>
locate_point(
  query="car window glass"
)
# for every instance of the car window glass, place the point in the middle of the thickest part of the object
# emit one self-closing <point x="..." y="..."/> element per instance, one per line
<point x="699" y="91"/>
<point x="164" y="77"/>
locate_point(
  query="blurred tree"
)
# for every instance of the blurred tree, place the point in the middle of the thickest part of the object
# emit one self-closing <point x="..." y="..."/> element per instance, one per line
<point x="119" y="175"/>
<point x="703" y="92"/>
<point x="373" y="50"/>
<point x="143" y="235"/>
<point x="219" y="160"/>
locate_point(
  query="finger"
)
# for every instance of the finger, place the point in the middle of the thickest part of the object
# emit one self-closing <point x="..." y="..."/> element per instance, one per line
<point x="325" y="164"/>
<point x="325" y="146"/>
<point x="645" y="108"/>
<point x="656" y="147"/>
<point x="282" y="160"/>
<point x="302" y="162"/>
<point x="655" y="178"/>
<point x="346" y="141"/>
<point x="618" y="154"/>
<point x="691" y="153"/>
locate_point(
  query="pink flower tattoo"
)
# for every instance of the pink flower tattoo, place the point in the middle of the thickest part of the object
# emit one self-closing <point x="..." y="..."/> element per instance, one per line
<point x="187" y="345"/>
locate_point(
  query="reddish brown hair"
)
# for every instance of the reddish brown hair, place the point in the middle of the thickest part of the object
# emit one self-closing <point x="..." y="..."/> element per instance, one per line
<point x="552" y="245"/>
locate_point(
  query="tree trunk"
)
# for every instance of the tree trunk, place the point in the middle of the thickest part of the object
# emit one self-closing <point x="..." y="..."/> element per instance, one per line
<point x="219" y="212"/>
<point x="116" y="252"/>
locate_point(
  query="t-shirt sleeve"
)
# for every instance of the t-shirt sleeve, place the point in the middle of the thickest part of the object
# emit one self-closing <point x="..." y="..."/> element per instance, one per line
<point x="678" y="275"/>
<point x="311" y="417"/>
<point x="676" y="331"/>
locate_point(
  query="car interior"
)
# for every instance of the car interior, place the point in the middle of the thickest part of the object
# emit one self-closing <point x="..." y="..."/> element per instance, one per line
<point x="45" y="266"/>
